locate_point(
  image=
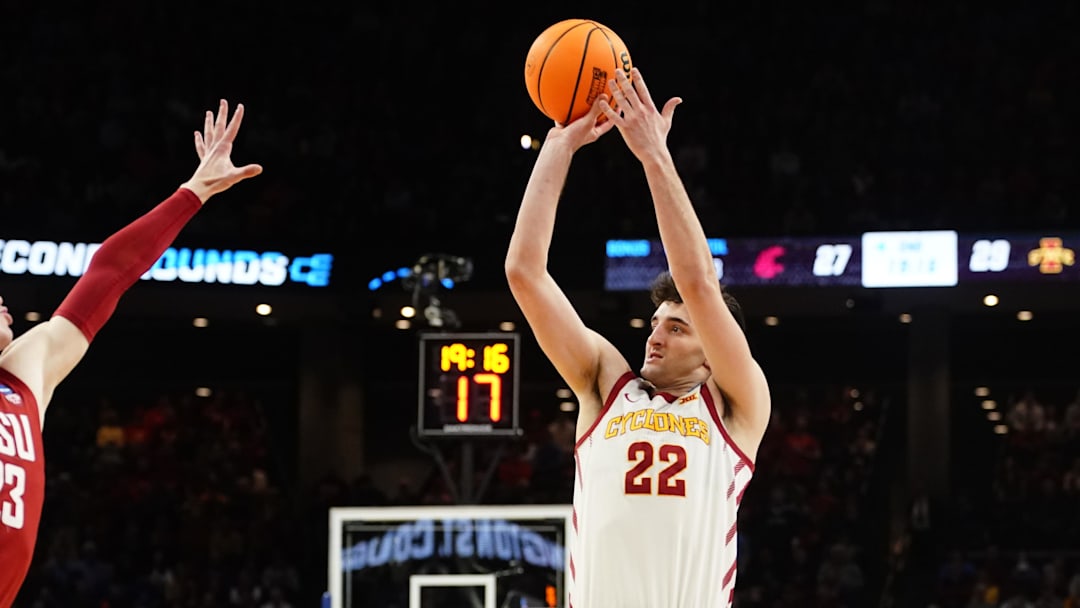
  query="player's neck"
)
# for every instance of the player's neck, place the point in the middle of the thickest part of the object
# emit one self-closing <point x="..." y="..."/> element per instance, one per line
<point x="677" y="388"/>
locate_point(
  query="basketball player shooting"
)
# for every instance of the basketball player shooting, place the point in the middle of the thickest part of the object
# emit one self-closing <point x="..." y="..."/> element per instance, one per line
<point x="33" y="365"/>
<point x="663" y="455"/>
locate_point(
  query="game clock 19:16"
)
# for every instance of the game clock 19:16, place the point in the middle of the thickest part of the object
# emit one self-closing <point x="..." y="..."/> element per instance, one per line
<point x="468" y="384"/>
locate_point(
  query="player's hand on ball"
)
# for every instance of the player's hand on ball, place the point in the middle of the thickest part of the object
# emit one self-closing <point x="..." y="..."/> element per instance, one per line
<point x="216" y="171"/>
<point x="584" y="130"/>
<point x="643" y="127"/>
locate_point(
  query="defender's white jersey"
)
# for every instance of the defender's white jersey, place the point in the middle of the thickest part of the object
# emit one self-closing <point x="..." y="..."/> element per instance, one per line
<point x="658" y="487"/>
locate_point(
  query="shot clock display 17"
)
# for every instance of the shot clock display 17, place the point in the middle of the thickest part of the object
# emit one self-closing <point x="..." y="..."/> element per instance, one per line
<point x="468" y="384"/>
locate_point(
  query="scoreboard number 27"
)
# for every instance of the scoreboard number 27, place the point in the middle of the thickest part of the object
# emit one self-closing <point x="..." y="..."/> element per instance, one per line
<point x="831" y="260"/>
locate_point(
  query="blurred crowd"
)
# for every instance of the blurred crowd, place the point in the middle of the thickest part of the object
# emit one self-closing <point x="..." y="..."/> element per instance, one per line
<point x="810" y="525"/>
<point x="1016" y="541"/>
<point x="163" y="500"/>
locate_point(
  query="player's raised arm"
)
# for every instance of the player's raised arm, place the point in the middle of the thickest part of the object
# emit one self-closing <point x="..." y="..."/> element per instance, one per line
<point x="572" y="348"/>
<point x="645" y="130"/>
<point x="46" y="354"/>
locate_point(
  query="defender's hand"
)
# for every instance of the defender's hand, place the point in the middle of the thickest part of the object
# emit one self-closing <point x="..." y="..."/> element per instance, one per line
<point x="216" y="172"/>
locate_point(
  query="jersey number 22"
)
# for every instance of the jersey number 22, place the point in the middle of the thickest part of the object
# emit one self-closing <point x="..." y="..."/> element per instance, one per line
<point x="640" y="481"/>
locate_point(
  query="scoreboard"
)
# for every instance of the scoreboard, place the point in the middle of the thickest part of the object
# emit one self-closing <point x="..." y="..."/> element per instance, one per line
<point x="468" y="384"/>
<point x="917" y="258"/>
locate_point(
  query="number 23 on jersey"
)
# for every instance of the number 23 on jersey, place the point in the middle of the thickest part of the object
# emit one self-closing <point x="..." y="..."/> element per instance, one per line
<point x="12" y="483"/>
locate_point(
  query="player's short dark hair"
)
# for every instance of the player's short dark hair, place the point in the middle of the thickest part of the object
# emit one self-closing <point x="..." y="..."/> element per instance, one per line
<point x="663" y="290"/>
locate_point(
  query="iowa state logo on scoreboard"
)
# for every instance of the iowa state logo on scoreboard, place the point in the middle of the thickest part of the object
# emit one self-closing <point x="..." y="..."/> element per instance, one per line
<point x="1052" y="256"/>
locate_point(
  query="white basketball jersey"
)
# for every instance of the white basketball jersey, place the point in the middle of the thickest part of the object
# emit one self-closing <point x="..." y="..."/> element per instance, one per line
<point x="656" y="498"/>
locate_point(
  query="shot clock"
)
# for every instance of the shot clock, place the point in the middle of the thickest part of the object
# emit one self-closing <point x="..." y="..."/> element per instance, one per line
<point x="468" y="384"/>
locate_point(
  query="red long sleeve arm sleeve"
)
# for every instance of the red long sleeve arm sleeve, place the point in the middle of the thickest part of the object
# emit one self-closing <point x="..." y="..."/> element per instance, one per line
<point x="122" y="259"/>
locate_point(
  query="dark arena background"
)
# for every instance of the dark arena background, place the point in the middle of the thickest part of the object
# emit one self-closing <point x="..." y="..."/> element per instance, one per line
<point x="890" y="189"/>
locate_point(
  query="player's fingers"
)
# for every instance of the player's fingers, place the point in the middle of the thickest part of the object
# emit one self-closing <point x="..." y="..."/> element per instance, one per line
<point x="669" y="107"/>
<point x="608" y="111"/>
<point x="604" y="127"/>
<point x="640" y="88"/>
<point x="597" y="109"/>
<point x="222" y="118"/>
<point x="627" y="87"/>
<point x="208" y="125"/>
<point x="234" y="123"/>
<point x="200" y="147"/>
<point x="249" y="171"/>
<point x="617" y="94"/>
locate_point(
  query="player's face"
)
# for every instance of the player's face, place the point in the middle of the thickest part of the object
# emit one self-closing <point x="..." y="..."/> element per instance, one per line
<point x="6" y="335"/>
<point x="673" y="353"/>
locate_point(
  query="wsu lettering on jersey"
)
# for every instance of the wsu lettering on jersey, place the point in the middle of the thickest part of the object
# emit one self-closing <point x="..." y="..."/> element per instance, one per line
<point x="16" y="446"/>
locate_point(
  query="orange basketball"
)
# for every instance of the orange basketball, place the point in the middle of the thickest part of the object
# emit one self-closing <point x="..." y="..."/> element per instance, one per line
<point x="569" y="65"/>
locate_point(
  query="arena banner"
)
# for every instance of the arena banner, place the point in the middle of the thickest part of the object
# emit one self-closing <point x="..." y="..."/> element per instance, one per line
<point x="177" y="264"/>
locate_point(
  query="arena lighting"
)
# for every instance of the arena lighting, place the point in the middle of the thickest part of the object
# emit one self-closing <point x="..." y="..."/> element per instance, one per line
<point x="33" y="316"/>
<point x="263" y="310"/>
<point x="637" y="322"/>
<point x="528" y="142"/>
<point x="567" y="406"/>
<point x="905" y="318"/>
<point x="990" y="300"/>
<point x="1024" y="315"/>
<point x="507" y="326"/>
<point x="432" y="273"/>
<point x="403" y="324"/>
<point x="434" y="270"/>
<point x="563" y="393"/>
<point x="388" y="277"/>
<point x="200" y="322"/>
<point x="772" y="321"/>
<point x="408" y="312"/>
<point x="989" y="404"/>
<point x="982" y="391"/>
<point x="454" y="269"/>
